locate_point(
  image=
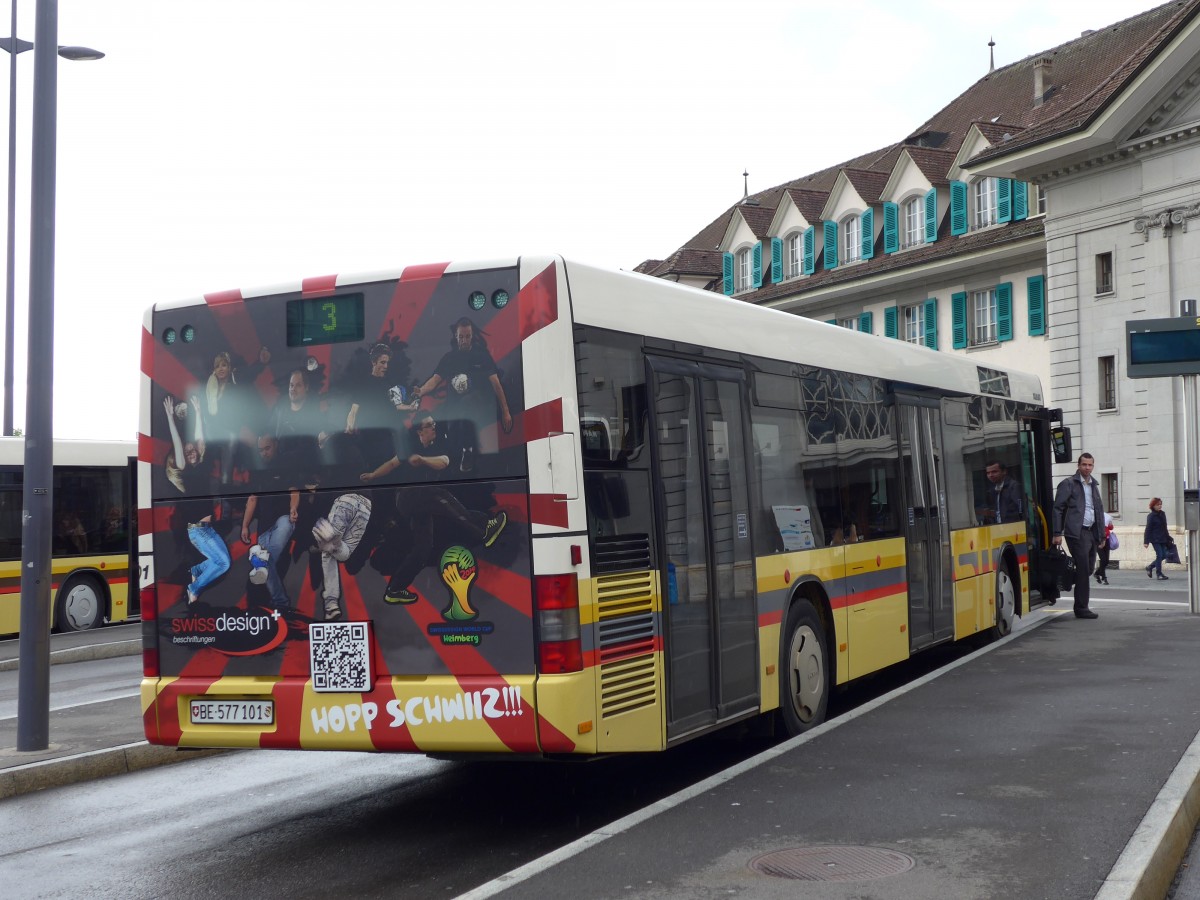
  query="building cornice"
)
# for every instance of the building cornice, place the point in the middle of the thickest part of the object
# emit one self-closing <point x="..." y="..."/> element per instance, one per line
<point x="1166" y="219"/>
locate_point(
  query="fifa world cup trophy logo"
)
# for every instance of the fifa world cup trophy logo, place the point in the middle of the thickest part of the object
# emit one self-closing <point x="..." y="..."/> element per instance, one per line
<point x="458" y="571"/>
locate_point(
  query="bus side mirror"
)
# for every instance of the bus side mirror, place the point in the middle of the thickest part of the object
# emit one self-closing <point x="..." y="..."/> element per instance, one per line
<point x="1060" y="438"/>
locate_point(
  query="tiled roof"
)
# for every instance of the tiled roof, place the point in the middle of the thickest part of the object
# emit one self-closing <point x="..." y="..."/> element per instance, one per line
<point x="1084" y="74"/>
<point x="934" y="164"/>
<point x="868" y="184"/>
<point x="758" y="218"/>
<point x="1129" y="44"/>
<point x="810" y="203"/>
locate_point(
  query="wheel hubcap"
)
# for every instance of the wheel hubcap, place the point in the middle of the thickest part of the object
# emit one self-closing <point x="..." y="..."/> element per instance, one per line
<point x="807" y="673"/>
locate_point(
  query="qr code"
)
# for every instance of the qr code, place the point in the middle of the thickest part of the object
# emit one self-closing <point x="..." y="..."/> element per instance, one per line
<point x="340" y="656"/>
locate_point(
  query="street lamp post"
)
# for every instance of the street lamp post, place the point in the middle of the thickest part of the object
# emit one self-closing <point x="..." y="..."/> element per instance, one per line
<point x="33" y="690"/>
<point x="12" y="46"/>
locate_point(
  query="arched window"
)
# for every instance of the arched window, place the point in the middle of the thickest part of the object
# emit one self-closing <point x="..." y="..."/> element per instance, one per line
<point x="793" y="255"/>
<point x="984" y="202"/>
<point x="742" y="274"/>
<point x="851" y="239"/>
<point x="914" y="222"/>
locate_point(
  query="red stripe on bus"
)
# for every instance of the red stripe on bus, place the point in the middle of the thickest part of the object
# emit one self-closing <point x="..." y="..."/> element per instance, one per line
<point x="517" y="732"/>
<point x="542" y="420"/>
<point x="856" y="597"/>
<point x="229" y="311"/>
<point x="538" y="301"/>
<point x="413" y="290"/>
<point x="771" y="617"/>
<point x="548" y="509"/>
<point x="506" y="586"/>
<point x="320" y="284"/>
<point x="156" y="520"/>
<point x="169" y="374"/>
<point x="516" y="505"/>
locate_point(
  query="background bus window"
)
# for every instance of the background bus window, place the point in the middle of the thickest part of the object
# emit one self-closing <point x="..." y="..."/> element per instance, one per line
<point x="90" y="511"/>
<point x="10" y="513"/>
<point x="978" y="431"/>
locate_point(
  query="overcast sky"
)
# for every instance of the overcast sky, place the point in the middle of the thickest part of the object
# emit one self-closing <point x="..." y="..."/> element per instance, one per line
<point x="239" y="143"/>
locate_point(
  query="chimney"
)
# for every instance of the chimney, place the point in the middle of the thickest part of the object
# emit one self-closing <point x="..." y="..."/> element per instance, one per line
<point x="1041" y="69"/>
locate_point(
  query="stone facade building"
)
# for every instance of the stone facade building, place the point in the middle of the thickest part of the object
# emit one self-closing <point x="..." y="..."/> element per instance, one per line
<point x="1022" y="224"/>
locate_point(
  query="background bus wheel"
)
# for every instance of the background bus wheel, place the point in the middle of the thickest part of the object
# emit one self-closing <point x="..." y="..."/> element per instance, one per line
<point x="804" y="670"/>
<point x="1006" y="602"/>
<point x="78" y="605"/>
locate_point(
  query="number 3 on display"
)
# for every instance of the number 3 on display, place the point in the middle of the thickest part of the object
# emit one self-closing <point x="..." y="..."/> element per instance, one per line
<point x="330" y="309"/>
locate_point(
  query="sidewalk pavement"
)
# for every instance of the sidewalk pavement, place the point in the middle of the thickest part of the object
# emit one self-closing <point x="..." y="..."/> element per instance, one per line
<point x="89" y="741"/>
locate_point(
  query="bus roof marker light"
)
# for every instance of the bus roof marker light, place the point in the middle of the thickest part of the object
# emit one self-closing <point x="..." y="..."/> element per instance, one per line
<point x="188" y="333"/>
<point x="477" y="300"/>
<point x="500" y="298"/>
<point x="168" y="336"/>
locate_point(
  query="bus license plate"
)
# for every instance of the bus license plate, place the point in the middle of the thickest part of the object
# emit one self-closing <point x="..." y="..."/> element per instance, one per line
<point x="233" y="712"/>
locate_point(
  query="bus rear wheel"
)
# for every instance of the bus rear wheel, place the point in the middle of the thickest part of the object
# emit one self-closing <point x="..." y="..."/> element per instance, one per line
<point x="79" y="605"/>
<point x="1006" y="602"/>
<point x="803" y="670"/>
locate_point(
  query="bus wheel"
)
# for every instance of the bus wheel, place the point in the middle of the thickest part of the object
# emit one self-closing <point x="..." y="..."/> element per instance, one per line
<point x="1006" y="602"/>
<point x="804" y="670"/>
<point x="78" y="606"/>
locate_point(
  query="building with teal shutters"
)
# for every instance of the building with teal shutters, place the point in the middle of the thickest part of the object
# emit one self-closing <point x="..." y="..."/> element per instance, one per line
<point x="1054" y="199"/>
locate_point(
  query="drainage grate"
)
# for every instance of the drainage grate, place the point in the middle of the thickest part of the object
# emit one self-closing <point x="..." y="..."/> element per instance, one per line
<point x="832" y="863"/>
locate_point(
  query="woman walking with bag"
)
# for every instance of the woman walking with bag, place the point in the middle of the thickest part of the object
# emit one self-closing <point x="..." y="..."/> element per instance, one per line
<point x="1107" y="543"/>
<point x="1158" y="535"/>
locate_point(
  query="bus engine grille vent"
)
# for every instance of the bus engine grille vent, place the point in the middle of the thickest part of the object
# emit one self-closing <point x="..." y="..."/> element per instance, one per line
<point x="626" y="629"/>
<point x="621" y="553"/>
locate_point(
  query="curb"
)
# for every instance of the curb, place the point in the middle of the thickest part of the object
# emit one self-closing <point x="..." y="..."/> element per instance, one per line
<point x="1147" y="866"/>
<point x="109" y="650"/>
<point x="94" y="764"/>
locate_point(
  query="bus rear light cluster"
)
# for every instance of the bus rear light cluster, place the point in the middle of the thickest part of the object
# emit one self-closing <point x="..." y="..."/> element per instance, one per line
<point x="560" y="649"/>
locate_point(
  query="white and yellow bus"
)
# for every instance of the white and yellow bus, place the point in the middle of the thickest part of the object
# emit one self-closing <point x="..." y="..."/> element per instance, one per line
<point x="534" y="507"/>
<point x="92" y="536"/>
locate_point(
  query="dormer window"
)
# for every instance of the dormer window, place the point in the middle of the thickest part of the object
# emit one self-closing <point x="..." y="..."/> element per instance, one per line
<point x="984" y="203"/>
<point x="851" y="239"/>
<point x="742" y="273"/>
<point x="914" y="222"/>
<point x="793" y="255"/>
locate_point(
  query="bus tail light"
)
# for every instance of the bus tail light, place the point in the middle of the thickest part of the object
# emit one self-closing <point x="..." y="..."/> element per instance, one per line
<point x="556" y="598"/>
<point x="149" y="604"/>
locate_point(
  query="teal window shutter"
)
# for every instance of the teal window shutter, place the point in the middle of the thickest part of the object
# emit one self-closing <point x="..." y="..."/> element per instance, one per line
<point x="1020" y="207"/>
<point x="866" y="323"/>
<point x="810" y="250"/>
<point x="958" y="207"/>
<point x="831" y="321"/>
<point x="1004" y="199"/>
<point x="931" y="216"/>
<point x="891" y="322"/>
<point x="776" y="260"/>
<point x="867" y="226"/>
<point x="830" y="235"/>
<point x="756" y="265"/>
<point x="727" y="273"/>
<point x="931" y="323"/>
<point x="958" y="319"/>
<point x="1004" y="330"/>
<point x="1037" y="304"/>
<point x="891" y="227"/>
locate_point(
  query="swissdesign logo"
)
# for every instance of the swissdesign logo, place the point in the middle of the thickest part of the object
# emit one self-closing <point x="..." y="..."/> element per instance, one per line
<point x="234" y="633"/>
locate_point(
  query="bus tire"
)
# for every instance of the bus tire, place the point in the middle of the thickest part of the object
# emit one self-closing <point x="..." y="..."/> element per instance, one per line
<point x="1006" y="601"/>
<point x="79" y="604"/>
<point x="803" y="670"/>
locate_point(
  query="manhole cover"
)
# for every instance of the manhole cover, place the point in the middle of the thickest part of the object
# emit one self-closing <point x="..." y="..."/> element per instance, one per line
<point x="832" y="863"/>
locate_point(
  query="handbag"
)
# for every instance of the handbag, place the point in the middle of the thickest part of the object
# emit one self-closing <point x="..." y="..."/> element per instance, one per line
<point x="1059" y="567"/>
<point x="1172" y="553"/>
<point x="1113" y="543"/>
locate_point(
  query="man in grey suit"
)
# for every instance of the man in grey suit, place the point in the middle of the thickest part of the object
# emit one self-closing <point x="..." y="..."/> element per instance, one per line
<point x="1079" y="516"/>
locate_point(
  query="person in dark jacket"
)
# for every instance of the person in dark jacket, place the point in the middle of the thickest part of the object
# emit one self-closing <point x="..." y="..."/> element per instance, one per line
<point x="1158" y="535"/>
<point x="1079" y="517"/>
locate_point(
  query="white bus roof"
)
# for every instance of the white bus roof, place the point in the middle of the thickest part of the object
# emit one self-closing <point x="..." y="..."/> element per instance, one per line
<point x="72" y="452"/>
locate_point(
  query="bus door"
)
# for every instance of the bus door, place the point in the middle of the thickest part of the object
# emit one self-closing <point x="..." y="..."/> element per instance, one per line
<point x="707" y="575"/>
<point x="927" y="535"/>
<point x="1037" y="477"/>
